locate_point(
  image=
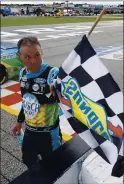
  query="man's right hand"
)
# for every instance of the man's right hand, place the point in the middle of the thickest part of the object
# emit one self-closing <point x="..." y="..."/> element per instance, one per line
<point x="16" y="128"/>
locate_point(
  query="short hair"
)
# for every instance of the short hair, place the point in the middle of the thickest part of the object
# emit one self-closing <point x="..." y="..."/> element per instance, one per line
<point x="28" y="41"/>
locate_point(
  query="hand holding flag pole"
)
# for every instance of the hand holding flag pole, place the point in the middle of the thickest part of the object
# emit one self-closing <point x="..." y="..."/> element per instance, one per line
<point x="96" y="22"/>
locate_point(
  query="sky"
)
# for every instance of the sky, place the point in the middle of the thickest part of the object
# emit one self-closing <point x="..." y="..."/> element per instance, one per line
<point x="114" y="2"/>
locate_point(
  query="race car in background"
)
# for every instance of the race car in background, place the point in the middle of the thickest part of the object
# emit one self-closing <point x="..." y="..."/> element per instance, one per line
<point x="10" y="64"/>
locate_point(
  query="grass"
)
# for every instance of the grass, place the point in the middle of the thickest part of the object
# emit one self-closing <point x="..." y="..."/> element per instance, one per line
<point x="22" y="21"/>
<point x="118" y="15"/>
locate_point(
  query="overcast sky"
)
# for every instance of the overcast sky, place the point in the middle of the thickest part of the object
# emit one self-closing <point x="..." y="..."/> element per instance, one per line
<point x="47" y="1"/>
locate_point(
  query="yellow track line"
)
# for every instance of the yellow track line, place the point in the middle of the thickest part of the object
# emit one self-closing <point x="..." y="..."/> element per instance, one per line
<point x="8" y="109"/>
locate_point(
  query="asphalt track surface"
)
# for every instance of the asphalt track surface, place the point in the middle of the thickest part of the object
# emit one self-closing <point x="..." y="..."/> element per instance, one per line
<point x="56" y="48"/>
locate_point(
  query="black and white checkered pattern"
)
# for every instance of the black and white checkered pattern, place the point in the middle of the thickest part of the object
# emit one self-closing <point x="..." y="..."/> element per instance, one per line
<point x="97" y="84"/>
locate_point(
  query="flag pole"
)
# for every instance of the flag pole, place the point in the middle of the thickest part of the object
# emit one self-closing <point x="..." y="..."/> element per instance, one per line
<point x="96" y="22"/>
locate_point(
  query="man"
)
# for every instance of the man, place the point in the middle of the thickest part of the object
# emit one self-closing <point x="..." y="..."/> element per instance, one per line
<point x="39" y="104"/>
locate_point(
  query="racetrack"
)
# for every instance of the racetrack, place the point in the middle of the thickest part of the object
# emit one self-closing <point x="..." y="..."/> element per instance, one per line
<point x="57" y="41"/>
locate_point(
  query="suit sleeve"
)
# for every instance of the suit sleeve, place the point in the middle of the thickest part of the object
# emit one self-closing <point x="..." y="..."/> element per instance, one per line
<point x="21" y="116"/>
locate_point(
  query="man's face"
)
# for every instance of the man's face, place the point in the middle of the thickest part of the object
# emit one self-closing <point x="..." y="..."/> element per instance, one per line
<point x="31" y="56"/>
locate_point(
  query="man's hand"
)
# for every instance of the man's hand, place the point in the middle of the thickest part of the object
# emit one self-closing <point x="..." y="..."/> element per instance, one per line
<point x="52" y="90"/>
<point x="16" y="128"/>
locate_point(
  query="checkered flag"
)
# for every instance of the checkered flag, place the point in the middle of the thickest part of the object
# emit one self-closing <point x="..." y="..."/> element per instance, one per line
<point x="92" y="102"/>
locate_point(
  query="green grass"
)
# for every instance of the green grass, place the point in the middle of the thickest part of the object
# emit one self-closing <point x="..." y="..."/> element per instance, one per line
<point x="118" y="15"/>
<point x="22" y="21"/>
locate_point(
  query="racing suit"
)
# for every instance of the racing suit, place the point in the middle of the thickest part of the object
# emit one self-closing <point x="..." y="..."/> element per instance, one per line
<point x="40" y="112"/>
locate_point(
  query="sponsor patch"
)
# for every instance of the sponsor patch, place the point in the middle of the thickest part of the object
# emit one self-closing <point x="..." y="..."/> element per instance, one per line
<point x="35" y="87"/>
<point x="24" y="78"/>
<point x="22" y="84"/>
<point x="40" y="81"/>
<point x="31" y="105"/>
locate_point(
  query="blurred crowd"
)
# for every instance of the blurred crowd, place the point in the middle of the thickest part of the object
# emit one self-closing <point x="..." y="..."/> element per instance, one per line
<point x="56" y="11"/>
